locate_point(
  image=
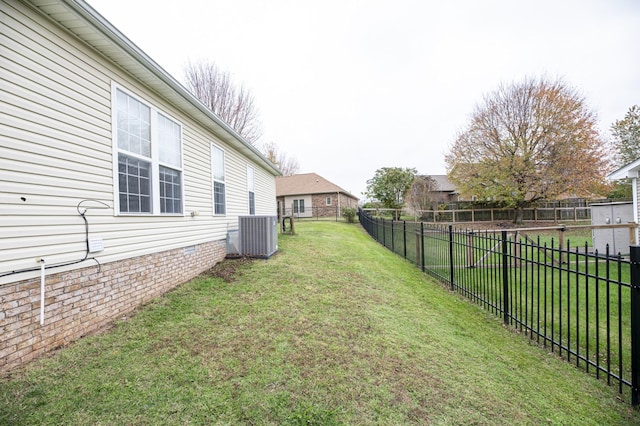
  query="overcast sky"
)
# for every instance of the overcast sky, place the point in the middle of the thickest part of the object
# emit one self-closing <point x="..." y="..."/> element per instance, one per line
<point x="350" y="86"/>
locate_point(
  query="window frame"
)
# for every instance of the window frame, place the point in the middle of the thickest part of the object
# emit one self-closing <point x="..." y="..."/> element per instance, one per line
<point x="328" y="201"/>
<point x="153" y="160"/>
<point x="214" y="180"/>
<point x="298" y="206"/>
<point x="251" y="189"/>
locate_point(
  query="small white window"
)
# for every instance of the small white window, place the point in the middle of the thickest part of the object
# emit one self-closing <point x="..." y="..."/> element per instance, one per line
<point x="298" y="206"/>
<point x="251" y="191"/>
<point x="328" y="201"/>
<point x="218" y="177"/>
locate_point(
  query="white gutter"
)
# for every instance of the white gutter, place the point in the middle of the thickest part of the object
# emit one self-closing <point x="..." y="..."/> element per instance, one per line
<point x="116" y="37"/>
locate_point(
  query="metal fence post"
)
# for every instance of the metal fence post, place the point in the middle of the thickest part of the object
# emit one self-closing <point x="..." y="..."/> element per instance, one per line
<point x="393" y="237"/>
<point x="635" y="324"/>
<point x="451" y="255"/>
<point x="404" y="237"/>
<point x="422" y="246"/>
<point x="419" y="250"/>
<point x="505" y="278"/>
<point x="384" y="233"/>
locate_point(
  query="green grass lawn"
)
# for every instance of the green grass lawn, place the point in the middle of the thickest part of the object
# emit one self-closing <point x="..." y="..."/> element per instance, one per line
<point x="333" y="329"/>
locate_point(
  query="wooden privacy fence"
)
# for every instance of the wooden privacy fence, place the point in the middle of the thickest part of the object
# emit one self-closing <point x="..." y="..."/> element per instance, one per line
<point x="541" y="214"/>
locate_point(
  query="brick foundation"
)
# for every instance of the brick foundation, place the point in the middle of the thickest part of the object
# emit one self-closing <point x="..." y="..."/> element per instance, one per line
<point x="84" y="300"/>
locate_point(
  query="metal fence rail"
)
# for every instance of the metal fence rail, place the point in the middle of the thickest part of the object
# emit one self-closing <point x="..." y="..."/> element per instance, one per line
<point x="584" y="306"/>
<point x="538" y="214"/>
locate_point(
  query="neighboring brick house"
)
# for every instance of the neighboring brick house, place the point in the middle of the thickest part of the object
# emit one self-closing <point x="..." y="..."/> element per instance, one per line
<point x="311" y="195"/>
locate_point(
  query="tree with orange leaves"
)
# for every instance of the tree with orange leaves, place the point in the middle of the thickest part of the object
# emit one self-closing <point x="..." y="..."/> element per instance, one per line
<point x="529" y="141"/>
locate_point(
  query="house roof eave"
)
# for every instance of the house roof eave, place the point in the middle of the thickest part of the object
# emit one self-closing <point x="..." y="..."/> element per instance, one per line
<point x="630" y="170"/>
<point x="79" y="18"/>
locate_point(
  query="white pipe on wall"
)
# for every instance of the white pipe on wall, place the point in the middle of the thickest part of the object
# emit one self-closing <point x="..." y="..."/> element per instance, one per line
<point x="42" y="269"/>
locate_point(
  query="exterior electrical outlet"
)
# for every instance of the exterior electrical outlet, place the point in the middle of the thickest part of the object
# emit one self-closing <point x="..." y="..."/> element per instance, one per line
<point x="258" y="235"/>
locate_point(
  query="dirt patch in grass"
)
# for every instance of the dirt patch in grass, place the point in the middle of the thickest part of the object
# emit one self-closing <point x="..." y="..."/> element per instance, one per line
<point x="227" y="270"/>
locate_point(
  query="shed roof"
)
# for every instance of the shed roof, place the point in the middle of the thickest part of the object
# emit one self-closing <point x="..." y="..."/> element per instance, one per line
<point x="307" y="183"/>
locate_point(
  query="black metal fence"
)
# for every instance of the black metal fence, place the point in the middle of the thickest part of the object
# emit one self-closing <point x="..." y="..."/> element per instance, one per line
<point x="582" y="305"/>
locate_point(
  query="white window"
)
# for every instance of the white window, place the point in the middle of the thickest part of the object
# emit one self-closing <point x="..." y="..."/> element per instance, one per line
<point x="250" y="189"/>
<point x="148" y="149"/>
<point x="328" y="201"/>
<point x="217" y="174"/>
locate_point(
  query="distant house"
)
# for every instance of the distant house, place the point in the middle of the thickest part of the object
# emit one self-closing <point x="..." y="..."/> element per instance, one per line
<point x="311" y="195"/>
<point x="445" y="191"/>
<point x="116" y="183"/>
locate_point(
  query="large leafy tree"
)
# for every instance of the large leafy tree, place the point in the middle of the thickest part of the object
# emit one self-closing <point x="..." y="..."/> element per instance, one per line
<point x="528" y="141"/>
<point x="626" y="137"/>
<point x="233" y="104"/>
<point x="626" y="146"/>
<point x="389" y="186"/>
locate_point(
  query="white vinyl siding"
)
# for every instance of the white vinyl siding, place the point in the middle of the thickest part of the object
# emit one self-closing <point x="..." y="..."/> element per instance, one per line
<point x="57" y="150"/>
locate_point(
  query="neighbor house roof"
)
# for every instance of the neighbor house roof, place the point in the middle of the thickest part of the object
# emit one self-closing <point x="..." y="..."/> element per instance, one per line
<point x="306" y="183"/>
<point x="80" y="19"/>
<point x="443" y="182"/>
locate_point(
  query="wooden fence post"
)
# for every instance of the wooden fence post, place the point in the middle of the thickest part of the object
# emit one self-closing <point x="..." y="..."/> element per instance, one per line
<point x="470" y="239"/>
<point x="292" y="221"/>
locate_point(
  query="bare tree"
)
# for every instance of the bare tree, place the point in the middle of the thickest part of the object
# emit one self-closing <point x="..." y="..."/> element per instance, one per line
<point x="287" y="165"/>
<point x="529" y="141"/>
<point x="421" y="194"/>
<point x="235" y="106"/>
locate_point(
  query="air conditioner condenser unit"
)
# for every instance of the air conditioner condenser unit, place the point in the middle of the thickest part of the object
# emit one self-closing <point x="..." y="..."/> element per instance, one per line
<point x="258" y="235"/>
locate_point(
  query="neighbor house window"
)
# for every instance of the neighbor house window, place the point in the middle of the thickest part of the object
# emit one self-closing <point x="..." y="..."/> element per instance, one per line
<point x="250" y="189"/>
<point x="217" y="171"/>
<point x="149" y="153"/>
<point x="328" y="201"/>
<point x="298" y="206"/>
